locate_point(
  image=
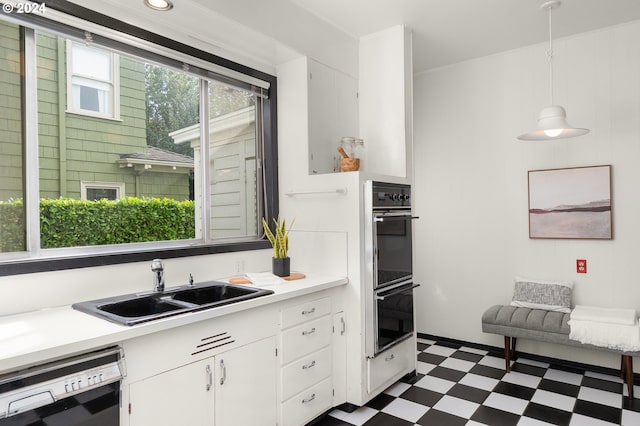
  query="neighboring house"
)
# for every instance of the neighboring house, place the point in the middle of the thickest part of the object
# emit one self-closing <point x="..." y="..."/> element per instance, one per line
<point x="232" y="153"/>
<point x="91" y="126"/>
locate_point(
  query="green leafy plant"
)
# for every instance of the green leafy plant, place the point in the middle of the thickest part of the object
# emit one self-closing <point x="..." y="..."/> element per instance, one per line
<point x="279" y="238"/>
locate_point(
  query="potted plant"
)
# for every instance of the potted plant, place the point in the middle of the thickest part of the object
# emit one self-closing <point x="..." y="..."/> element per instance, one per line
<point x="279" y="239"/>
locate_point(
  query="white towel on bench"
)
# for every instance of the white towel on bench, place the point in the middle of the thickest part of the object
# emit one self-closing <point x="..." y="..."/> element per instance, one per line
<point x="607" y="315"/>
<point x="614" y="329"/>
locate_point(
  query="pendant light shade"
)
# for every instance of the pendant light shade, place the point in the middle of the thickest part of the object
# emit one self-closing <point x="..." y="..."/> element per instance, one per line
<point x="552" y="121"/>
<point x="552" y="124"/>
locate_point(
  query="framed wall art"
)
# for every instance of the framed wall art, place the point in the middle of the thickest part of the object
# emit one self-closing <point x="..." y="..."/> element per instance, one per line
<point x="572" y="203"/>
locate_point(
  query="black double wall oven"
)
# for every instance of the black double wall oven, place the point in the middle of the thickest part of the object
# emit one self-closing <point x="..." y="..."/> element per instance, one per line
<point x="388" y="241"/>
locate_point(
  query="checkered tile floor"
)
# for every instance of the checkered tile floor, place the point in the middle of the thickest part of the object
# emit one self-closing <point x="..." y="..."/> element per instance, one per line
<point x="458" y="385"/>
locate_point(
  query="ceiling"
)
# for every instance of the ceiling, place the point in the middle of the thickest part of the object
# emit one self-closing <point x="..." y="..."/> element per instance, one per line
<point x="268" y="32"/>
<point x="451" y="31"/>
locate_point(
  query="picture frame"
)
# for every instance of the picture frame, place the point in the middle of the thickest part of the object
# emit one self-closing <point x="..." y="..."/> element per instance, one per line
<point x="570" y="203"/>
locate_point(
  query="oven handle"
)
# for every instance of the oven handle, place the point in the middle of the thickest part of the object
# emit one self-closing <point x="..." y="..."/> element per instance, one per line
<point x="398" y="291"/>
<point x="397" y="216"/>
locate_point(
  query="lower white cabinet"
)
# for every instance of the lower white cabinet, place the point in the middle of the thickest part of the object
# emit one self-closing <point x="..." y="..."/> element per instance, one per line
<point x="390" y="365"/>
<point x="237" y="387"/>
<point x="308" y="404"/>
<point x="306" y="362"/>
<point x="176" y="397"/>
<point x="245" y="385"/>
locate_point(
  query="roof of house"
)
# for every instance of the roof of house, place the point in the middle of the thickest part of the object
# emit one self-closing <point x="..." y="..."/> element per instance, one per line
<point x="155" y="154"/>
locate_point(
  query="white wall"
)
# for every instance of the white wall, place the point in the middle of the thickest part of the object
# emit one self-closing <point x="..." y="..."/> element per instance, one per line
<point x="471" y="180"/>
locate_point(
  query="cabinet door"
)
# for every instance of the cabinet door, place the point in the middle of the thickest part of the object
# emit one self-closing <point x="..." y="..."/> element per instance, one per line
<point x="182" y="396"/>
<point x="333" y="113"/>
<point x="245" y="385"/>
<point x="339" y="348"/>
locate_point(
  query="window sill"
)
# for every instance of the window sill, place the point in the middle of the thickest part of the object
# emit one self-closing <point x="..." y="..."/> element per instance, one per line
<point x="90" y="115"/>
<point x="29" y="266"/>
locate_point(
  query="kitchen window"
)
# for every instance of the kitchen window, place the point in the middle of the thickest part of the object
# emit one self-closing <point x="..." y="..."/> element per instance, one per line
<point x="187" y="168"/>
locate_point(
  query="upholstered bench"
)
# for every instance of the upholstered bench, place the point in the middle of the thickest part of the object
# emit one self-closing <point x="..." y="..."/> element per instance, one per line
<point x="515" y="322"/>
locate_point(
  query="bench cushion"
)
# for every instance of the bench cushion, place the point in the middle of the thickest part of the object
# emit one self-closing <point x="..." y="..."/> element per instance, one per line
<point x="527" y="323"/>
<point x="535" y="324"/>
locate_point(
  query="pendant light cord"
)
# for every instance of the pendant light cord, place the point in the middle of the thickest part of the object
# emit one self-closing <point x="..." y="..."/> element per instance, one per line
<point x="550" y="59"/>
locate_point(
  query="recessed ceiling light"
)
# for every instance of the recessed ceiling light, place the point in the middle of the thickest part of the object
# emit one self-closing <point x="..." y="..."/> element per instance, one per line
<point x="159" y="4"/>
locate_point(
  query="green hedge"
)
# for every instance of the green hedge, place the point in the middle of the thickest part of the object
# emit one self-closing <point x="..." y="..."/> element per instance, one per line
<point x="12" y="229"/>
<point x="67" y="222"/>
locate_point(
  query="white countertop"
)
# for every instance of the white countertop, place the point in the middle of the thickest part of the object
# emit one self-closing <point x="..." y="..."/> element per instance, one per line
<point x="35" y="337"/>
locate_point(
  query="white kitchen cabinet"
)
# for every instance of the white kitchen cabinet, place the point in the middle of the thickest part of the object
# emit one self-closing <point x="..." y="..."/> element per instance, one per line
<point x="391" y="364"/>
<point x="339" y="355"/>
<point x="175" y="397"/>
<point x="245" y="385"/>
<point x="215" y="391"/>
<point x="306" y="361"/>
<point x="333" y="113"/>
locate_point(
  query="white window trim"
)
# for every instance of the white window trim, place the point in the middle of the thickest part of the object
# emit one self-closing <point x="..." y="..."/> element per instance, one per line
<point x="118" y="186"/>
<point x="115" y="84"/>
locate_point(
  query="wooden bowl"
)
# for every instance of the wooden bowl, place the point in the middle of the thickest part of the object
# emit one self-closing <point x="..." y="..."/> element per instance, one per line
<point x="350" y="164"/>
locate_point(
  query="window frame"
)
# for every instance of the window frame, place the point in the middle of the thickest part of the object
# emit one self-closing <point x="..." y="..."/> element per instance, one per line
<point x="114" y="94"/>
<point x="36" y="261"/>
<point x="118" y="186"/>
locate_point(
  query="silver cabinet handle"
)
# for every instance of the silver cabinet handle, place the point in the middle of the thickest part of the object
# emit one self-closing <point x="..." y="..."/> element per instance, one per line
<point x="390" y="357"/>
<point x="311" y="398"/>
<point x="308" y="366"/>
<point x="309" y="312"/>
<point x="209" y="377"/>
<point x="223" y="372"/>
<point x="344" y="326"/>
<point x="306" y="333"/>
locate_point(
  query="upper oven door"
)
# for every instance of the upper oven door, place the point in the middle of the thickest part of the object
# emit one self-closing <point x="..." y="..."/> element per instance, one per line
<point x="392" y="248"/>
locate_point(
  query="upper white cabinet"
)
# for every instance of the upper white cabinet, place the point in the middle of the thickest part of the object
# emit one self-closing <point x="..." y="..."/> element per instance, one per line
<point x="333" y="113"/>
<point x="386" y="101"/>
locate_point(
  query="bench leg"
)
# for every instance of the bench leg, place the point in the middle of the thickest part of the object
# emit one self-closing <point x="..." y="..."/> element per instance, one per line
<point x="507" y="353"/>
<point x="514" y="356"/>
<point x="627" y="371"/>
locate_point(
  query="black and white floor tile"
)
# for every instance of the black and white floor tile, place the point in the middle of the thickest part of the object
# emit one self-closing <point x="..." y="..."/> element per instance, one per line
<point x="458" y="385"/>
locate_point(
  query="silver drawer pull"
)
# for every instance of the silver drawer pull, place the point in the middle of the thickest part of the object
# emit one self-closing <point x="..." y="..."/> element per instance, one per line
<point x="306" y="333"/>
<point x="390" y="357"/>
<point x="309" y="312"/>
<point x="308" y="366"/>
<point x="311" y="398"/>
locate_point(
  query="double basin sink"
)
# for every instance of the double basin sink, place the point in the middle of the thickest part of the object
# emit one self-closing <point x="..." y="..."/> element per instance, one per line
<point x="131" y="309"/>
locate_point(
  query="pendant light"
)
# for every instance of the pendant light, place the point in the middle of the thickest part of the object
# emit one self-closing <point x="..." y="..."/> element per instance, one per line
<point x="552" y="121"/>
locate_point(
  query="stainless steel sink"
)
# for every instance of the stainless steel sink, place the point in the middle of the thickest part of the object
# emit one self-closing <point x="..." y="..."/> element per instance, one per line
<point x="131" y="309"/>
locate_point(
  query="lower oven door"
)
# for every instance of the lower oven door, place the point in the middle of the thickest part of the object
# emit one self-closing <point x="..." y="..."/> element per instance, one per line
<point x="393" y="315"/>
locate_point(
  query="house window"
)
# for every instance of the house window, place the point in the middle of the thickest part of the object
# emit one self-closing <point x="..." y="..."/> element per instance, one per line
<point x="193" y="144"/>
<point x="101" y="190"/>
<point x="92" y="80"/>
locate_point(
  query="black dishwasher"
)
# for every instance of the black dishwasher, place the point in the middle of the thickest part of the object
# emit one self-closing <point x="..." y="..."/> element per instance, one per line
<point x="83" y="390"/>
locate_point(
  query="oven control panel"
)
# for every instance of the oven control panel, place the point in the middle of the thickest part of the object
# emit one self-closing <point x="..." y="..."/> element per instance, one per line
<point x="391" y="195"/>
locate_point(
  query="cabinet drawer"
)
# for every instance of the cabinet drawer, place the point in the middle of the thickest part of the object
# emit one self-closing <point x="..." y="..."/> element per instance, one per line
<point x="305" y="372"/>
<point x="305" y="312"/>
<point x="307" y="405"/>
<point x="390" y="364"/>
<point x="306" y="338"/>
